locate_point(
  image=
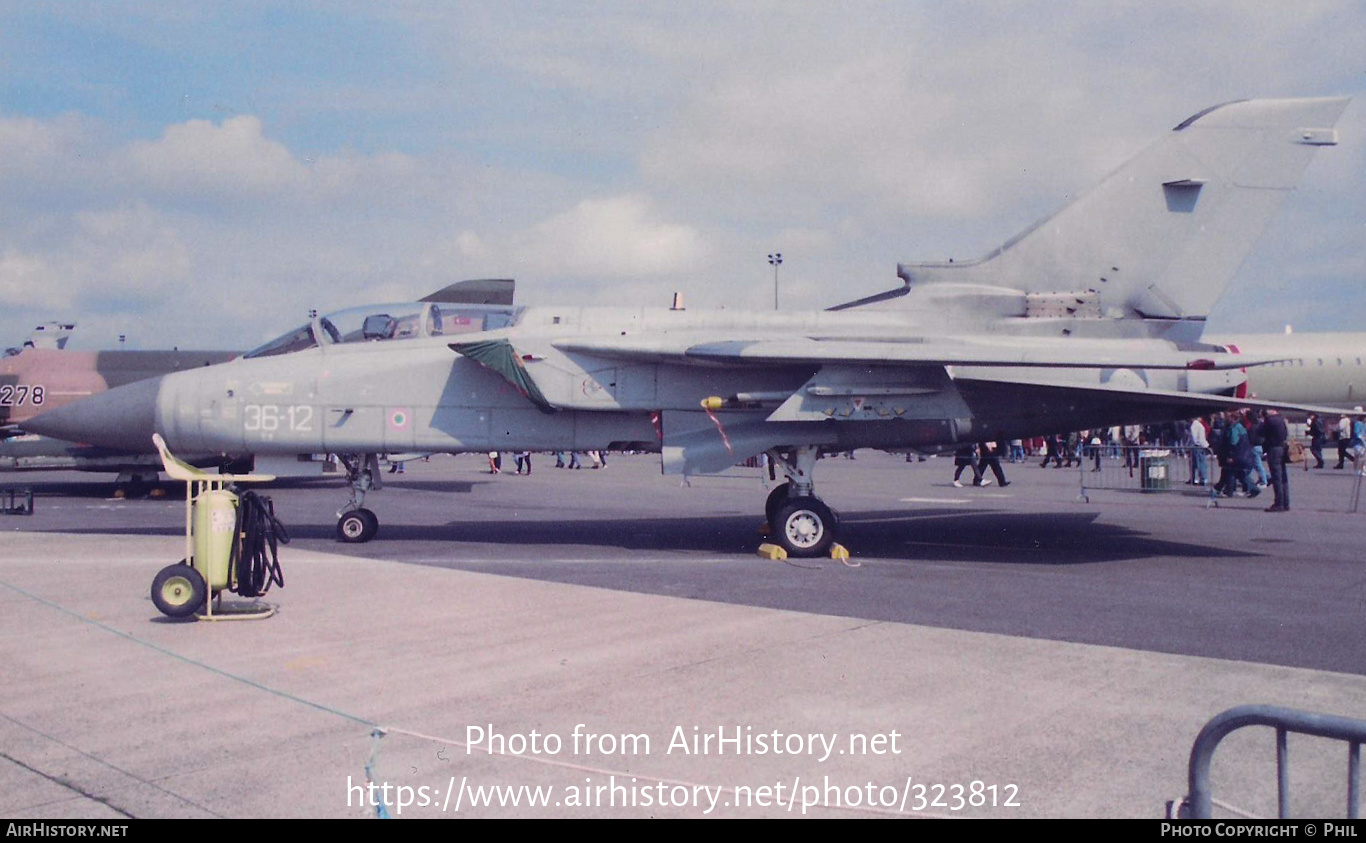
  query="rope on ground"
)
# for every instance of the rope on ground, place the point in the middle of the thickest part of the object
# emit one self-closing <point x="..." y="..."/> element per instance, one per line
<point x="1236" y="810"/>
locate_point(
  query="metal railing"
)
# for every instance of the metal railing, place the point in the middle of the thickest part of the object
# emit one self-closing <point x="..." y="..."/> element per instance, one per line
<point x="1145" y="468"/>
<point x="16" y="502"/>
<point x="1199" y="802"/>
<point x="1358" y="473"/>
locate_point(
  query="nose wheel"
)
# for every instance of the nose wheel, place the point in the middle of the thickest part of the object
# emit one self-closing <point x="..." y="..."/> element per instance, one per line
<point x="357" y="526"/>
<point x="804" y="526"/>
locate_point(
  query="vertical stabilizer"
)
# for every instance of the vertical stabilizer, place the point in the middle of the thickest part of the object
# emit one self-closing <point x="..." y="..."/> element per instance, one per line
<point x="50" y="335"/>
<point x="1162" y="236"/>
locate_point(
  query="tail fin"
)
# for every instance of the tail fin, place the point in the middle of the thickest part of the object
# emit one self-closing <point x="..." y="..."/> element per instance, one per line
<point x="1162" y="236"/>
<point x="50" y="335"/>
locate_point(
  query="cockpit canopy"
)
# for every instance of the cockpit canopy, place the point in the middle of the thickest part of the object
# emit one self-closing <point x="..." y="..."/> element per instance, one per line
<point x="384" y="322"/>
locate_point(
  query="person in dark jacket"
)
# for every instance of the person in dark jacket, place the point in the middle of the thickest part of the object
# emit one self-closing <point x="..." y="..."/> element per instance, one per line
<point x="1054" y="452"/>
<point x="1316" y="439"/>
<point x="966" y="457"/>
<point x="1236" y="457"/>
<point x="1275" y="440"/>
<point x="1218" y="445"/>
<point x="991" y="459"/>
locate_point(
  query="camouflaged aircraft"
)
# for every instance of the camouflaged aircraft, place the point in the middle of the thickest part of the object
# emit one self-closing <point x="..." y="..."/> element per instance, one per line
<point x="41" y="374"/>
<point x="1091" y="318"/>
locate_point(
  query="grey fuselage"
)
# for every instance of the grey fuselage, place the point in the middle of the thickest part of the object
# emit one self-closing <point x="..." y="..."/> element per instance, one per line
<point x="418" y="395"/>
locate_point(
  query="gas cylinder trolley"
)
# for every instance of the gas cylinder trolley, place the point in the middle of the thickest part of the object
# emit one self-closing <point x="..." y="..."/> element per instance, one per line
<point x="230" y="545"/>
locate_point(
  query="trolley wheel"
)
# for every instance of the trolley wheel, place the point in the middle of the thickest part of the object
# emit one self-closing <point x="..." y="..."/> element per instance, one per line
<point x="357" y="526"/>
<point x="179" y="590"/>
<point x="805" y="527"/>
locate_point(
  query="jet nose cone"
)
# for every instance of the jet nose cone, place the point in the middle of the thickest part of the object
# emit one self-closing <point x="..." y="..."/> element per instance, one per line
<point x="123" y="418"/>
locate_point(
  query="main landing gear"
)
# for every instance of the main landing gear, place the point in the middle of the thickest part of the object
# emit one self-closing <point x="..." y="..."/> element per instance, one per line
<point x="137" y="484"/>
<point x="799" y="521"/>
<point x="355" y="523"/>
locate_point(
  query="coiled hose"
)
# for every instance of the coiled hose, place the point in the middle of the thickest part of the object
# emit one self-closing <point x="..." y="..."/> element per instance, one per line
<point x="255" y="559"/>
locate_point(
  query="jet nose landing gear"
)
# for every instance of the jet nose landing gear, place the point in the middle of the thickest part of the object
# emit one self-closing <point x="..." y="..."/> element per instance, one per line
<point x="355" y="523"/>
<point x="798" y="521"/>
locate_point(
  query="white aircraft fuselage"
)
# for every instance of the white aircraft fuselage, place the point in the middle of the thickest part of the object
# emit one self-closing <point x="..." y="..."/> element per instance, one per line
<point x="1323" y="369"/>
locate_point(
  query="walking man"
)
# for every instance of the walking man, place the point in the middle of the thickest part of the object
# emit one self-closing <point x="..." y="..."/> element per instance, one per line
<point x="1275" y="439"/>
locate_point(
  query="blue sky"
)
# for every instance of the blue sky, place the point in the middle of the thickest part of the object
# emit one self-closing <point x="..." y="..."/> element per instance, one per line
<point x="202" y="174"/>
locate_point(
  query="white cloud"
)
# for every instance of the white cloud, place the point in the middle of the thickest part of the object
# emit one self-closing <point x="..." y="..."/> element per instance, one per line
<point x="40" y="159"/>
<point x="129" y="253"/>
<point x="227" y="158"/>
<point x="617" y="236"/>
<point x="27" y="144"/>
<point x="27" y="281"/>
<point x="129" y="260"/>
<point x="603" y="239"/>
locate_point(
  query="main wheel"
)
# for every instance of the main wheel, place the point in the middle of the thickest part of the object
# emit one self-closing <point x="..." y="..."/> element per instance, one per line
<point x="179" y="590"/>
<point x="357" y="526"/>
<point x="805" y="527"/>
<point x="776" y="499"/>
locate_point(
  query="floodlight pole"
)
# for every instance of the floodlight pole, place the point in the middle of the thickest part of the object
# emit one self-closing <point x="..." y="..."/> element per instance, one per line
<point x="776" y="259"/>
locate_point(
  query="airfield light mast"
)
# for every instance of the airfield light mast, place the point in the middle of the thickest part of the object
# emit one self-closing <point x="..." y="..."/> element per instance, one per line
<point x="776" y="259"/>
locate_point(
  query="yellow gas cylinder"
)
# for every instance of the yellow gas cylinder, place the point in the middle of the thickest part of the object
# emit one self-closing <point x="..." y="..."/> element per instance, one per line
<point x="215" y="529"/>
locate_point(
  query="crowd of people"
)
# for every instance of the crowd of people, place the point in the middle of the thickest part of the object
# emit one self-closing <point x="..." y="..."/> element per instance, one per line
<point x="1249" y="448"/>
<point x="563" y="459"/>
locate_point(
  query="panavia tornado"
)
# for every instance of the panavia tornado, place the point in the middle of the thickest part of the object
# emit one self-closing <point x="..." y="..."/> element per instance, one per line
<point x="1093" y="317"/>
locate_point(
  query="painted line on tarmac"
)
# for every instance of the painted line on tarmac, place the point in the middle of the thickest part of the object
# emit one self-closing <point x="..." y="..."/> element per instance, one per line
<point x="955" y="500"/>
<point x="978" y="546"/>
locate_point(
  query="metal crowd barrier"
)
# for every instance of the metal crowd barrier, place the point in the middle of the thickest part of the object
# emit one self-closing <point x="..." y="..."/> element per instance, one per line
<point x="1359" y="473"/>
<point x="1145" y="468"/>
<point x="1199" y="802"/>
<point x="16" y="502"/>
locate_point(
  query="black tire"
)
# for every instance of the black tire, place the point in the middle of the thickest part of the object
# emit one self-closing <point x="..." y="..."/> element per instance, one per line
<point x="179" y="591"/>
<point x="776" y="499"/>
<point x="805" y="527"/>
<point x="357" y="526"/>
<point x="373" y="520"/>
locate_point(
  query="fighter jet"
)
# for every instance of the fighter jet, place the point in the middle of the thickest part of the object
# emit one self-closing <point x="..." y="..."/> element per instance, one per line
<point x="1090" y="318"/>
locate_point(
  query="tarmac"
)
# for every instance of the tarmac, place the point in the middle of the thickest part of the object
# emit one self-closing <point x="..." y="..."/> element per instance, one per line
<point x="610" y="677"/>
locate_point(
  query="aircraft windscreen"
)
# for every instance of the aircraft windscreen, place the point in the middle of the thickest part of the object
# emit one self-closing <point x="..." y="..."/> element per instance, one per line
<point x="296" y="340"/>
